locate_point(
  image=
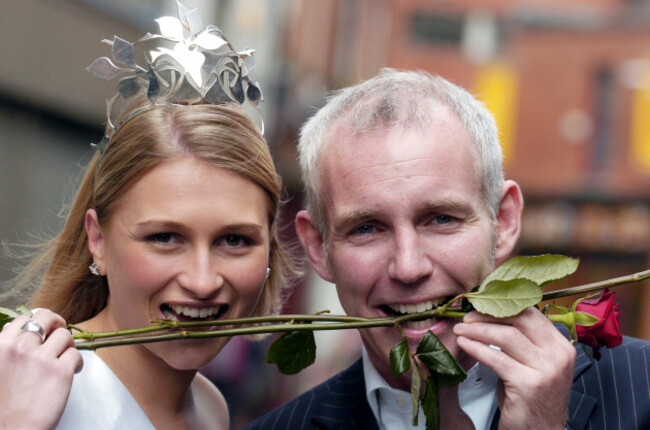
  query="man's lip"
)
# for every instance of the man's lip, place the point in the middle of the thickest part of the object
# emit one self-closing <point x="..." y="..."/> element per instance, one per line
<point x="435" y="325"/>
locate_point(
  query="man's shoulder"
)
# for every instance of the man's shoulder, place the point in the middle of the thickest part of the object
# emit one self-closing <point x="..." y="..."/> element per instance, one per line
<point x="612" y="392"/>
<point x="630" y="347"/>
<point x="630" y="357"/>
<point x="633" y="343"/>
<point x="343" y="390"/>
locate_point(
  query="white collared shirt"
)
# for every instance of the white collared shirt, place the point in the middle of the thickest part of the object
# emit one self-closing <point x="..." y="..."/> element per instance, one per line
<point x="392" y="407"/>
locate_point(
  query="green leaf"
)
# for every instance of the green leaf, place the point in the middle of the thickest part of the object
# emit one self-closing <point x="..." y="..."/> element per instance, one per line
<point x="431" y="403"/>
<point x="293" y="351"/>
<point x="399" y="358"/>
<point x="541" y="269"/>
<point x="433" y="354"/>
<point x="415" y="394"/>
<point x="506" y="298"/>
<point x="585" y="319"/>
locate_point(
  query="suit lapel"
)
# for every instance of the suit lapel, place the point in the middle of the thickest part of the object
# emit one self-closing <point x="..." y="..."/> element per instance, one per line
<point x="581" y="405"/>
<point x="345" y="406"/>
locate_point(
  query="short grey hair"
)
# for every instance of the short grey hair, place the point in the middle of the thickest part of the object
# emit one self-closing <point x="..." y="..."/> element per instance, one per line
<point x="399" y="99"/>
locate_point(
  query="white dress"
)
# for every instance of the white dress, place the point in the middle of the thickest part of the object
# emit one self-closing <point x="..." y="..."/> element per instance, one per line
<point x="99" y="401"/>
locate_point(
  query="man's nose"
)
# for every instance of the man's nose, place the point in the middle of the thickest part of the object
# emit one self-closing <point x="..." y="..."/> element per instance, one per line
<point x="201" y="275"/>
<point x="409" y="263"/>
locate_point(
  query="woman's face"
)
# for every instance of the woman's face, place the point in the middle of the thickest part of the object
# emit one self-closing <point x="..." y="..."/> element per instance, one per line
<point x="189" y="241"/>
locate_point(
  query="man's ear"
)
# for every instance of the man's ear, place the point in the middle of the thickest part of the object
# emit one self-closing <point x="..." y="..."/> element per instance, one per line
<point x="312" y="242"/>
<point x="95" y="239"/>
<point x="508" y="220"/>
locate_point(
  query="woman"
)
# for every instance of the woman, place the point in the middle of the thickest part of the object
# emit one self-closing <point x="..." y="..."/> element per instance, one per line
<point x="175" y="219"/>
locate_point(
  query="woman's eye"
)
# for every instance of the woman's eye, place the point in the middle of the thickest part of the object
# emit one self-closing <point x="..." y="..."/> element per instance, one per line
<point x="235" y="240"/>
<point x="161" y="238"/>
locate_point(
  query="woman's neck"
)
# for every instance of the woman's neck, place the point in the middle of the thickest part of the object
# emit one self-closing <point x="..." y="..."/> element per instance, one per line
<point x="159" y="389"/>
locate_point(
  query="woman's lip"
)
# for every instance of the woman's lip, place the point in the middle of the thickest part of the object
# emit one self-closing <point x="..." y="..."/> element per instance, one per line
<point x="191" y="304"/>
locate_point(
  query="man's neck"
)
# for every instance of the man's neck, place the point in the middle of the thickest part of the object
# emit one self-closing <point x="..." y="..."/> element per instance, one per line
<point x="453" y="416"/>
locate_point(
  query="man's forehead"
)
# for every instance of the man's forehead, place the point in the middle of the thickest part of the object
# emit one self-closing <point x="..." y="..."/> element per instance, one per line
<point x="345" y="153"/>
<point x="358" y="176"/>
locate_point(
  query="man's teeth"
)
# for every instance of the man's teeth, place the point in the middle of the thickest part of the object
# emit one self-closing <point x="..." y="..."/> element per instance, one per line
<point x="192" y="312"/>
<point x="420" y="324"/>
<point x="417" y="307"/>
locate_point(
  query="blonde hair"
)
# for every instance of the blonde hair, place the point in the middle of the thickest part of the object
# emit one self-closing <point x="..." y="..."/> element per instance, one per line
<point x="220" y="135"/>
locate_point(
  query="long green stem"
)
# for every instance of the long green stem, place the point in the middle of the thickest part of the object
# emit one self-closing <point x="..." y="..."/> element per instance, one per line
<point x="165" y="325"/>
<point x="173" y="330"/>
<point x="283" y="323"/>
<point x="597" y="286"/>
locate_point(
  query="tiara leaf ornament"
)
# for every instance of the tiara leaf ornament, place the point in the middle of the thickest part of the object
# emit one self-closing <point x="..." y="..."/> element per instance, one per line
<point x="184" y="64"/>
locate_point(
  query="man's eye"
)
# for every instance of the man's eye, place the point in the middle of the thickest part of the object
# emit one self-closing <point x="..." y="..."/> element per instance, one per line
<point x="442" y="219"/>
<point x="364" y="229"/>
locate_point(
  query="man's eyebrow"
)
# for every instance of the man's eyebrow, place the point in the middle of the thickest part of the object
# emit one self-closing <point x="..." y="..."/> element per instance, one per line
<point x="438" y="206"/>
<point x="448" y="205"/>
<point x="352" y="218"/>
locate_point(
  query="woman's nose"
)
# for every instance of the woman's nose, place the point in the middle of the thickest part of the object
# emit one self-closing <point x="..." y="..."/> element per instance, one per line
<point x="201" y="275"/>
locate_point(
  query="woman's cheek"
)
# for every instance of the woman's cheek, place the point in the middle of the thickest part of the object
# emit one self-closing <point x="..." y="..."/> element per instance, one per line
<point x="142" y="270"/>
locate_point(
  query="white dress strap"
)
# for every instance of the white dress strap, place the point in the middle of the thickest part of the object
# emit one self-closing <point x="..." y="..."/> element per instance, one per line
<point x="99" y="401"/>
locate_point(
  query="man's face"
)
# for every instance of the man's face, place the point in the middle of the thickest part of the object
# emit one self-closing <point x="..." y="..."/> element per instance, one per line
<point x="407" y="228"/>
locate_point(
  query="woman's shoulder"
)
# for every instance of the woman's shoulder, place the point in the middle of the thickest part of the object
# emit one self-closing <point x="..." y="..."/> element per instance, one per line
<point x="212" y="408"/>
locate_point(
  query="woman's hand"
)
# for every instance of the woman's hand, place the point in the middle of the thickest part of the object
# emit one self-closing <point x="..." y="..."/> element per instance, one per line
<point x="36" y="374"/>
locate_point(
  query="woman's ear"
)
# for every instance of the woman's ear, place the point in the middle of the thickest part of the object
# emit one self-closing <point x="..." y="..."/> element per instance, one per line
<point x="508" y="220"/>
<point x="95" y="239"/>
<point x="312" y="242"/>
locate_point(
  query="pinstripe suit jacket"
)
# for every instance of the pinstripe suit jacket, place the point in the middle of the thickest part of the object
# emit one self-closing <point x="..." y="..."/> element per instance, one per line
<point x="612" y="393"/>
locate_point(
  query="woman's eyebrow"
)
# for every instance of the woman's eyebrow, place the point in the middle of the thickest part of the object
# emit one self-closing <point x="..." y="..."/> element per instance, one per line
<point x="243" y="226"/>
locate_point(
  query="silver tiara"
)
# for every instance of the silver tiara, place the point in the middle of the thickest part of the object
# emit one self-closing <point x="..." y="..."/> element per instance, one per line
<point x="184" y="64"/>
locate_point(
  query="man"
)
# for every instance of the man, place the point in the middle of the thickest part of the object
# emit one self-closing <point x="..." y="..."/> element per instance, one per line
<point x="406" y="207"/>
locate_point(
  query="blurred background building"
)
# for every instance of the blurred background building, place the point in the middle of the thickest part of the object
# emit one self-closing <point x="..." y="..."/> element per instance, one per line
<point x="567" y="80"/>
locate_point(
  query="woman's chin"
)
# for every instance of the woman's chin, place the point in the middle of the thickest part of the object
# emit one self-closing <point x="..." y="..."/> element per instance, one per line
<point x="192" y="354"/>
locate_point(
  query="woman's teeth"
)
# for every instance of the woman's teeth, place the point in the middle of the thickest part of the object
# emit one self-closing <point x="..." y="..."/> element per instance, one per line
<point x="173" y="312"/>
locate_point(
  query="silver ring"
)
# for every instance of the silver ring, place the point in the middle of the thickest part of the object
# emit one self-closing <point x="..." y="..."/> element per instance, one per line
<point x="34" y="327"/>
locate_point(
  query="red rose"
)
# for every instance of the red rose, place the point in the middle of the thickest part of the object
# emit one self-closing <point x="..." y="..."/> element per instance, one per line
<point x="606" y="331"/>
